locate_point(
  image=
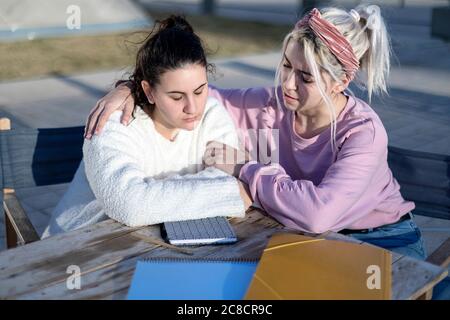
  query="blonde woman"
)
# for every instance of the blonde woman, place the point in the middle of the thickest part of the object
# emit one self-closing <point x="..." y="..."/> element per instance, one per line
<point x="332" y="172"/>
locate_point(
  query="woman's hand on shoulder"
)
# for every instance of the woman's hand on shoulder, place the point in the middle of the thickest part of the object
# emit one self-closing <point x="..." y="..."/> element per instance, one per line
<point x="118" y="99"/>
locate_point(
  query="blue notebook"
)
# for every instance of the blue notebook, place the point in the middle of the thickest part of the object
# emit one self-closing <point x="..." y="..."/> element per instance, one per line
<point x="183" y="279"/>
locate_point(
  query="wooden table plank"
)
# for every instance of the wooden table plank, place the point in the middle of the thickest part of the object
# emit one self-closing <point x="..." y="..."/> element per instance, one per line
<point x="414" y="278"/>
<point x="109" y="280"/>
<point x="60" y="244"/>
<point x="107" y="254"/>
<point x="36" y="275"/>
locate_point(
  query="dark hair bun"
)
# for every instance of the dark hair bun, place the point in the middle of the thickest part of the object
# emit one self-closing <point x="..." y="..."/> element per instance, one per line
<point x="171" y="45"/>
<point x="176" y="21"/>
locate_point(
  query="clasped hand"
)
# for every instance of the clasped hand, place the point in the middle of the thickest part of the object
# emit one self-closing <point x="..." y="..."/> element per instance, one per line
<point x="225" y="158"/>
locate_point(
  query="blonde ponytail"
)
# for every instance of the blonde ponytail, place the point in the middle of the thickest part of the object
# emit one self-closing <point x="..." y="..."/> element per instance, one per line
<point x="375" y="62"/>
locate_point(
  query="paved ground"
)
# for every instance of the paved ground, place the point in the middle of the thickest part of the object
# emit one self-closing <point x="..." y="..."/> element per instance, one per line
<point x="416" y="114"/>
<point x="22" y="19"/>
<point x="287" y="11"/>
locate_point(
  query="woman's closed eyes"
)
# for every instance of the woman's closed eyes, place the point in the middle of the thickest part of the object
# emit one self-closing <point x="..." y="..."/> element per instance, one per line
<point x="179" y="95"/>
<point x="303" y="75"/>
<point x="178" y="98"/>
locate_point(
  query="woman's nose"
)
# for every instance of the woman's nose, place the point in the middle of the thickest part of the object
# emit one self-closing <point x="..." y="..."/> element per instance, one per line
<point x="190" y="107"/>
<point x="290" y="82"/>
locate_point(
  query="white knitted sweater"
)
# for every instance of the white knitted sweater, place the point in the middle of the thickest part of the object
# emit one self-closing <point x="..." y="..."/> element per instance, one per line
<point x="135" y="176"/>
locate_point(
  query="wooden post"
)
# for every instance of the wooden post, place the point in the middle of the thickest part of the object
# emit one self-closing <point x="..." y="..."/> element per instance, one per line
<point x="11" y="236"/>
<point x="5" y="124"/>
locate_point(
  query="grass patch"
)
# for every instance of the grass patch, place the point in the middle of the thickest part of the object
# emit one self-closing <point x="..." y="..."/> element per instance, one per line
<point x="223" y="37"/>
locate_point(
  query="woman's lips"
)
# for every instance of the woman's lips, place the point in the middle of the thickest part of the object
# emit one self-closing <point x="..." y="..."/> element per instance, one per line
<point x="193" y="119"/>
<point x="289" y="97"/>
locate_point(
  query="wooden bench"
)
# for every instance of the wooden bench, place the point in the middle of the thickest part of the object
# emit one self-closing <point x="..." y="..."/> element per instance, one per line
<point x="30" y="158"/>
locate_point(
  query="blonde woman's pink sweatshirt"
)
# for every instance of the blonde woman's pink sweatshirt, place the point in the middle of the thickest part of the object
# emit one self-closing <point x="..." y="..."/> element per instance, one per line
<point x="307" y="187"/>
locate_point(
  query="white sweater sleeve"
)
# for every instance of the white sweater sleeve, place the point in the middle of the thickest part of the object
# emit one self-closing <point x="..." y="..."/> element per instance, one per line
<point x="114" y="169"/>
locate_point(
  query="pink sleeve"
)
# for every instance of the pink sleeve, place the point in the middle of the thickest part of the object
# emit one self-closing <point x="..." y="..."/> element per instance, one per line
<point x="244" y="105"/>
<point x="302" y="205"/>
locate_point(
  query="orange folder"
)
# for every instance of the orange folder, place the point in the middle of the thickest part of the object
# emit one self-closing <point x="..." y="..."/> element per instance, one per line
<point x="299" y="267"/>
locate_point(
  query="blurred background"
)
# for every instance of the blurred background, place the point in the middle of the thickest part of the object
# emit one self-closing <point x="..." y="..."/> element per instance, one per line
<point x="58" y="57"/>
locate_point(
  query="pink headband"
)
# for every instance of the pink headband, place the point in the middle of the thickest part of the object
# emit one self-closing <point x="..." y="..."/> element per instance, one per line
<point x="333" y="39"/>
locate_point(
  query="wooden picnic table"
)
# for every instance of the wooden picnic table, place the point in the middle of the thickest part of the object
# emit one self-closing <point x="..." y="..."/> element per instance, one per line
<point x="107" y="252"/>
